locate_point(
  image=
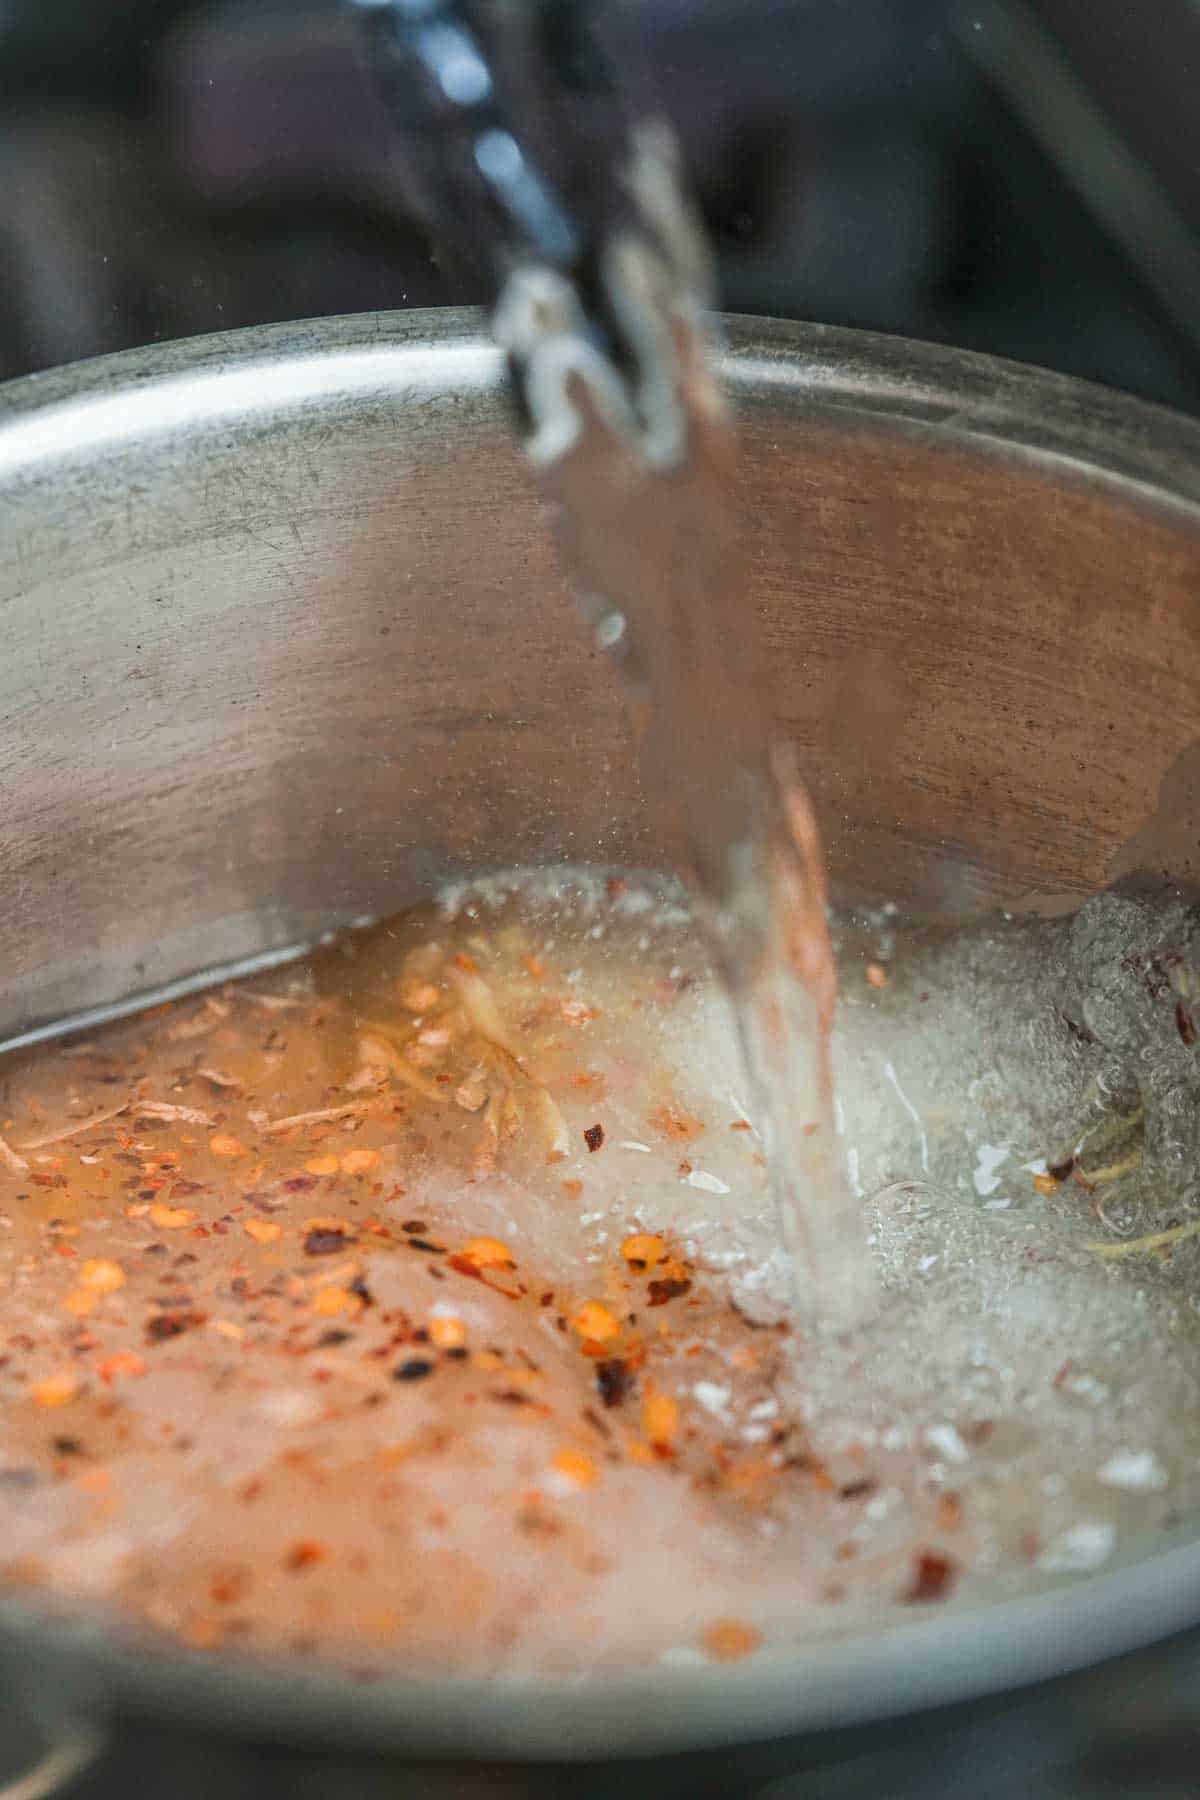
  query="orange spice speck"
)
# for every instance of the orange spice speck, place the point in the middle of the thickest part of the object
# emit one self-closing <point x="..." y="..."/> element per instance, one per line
<point x="102" y="1275"/>
<point x="357" y="1162"/>
<point x="572" y="1189"/>
<point x="123" y="1363"/>
<point x="660" y="1417"/>
<point x="679" y="1127"/>
<point x="1046" y="1184"/>
<point x="877" y="975"/>
<point x="331" y="1300"/>
<point x="593" y="1320"/>
<point x="263" y="1231"/>
<point x="56" y="1390"/>
<point x="304" y="1553"/>
<point x="948" y="1512"/>
<point x="94" y="1481"/>
<point x="170" y="1218"/>
<point x="643" y="1248"/>
<point x="728" y="1640"/>
<point x="447" y="1333"/>
<point x="81" y="1301"/>
<point x="419" y="996"/>
<point x="321" y="1165"/>
<point x="575" y="1467"/>
<point x="202" y="1633"/>
<point x="221" y="1144"/>
<point x="489" y="1253"/>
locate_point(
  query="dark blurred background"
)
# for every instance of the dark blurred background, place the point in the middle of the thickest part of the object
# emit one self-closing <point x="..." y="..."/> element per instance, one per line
<point x="1014" y="176"/>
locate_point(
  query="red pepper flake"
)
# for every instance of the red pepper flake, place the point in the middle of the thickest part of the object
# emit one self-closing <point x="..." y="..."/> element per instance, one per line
<point x="1185" y="1024"/>
<point x="858" y="1489"/>
<point x="678" y="1127"/>
<point x="415" y="1227"/>
<point x="415" y="1369"/>
<point x="124" y="1362"/>
<point x="304" y="1554"/>
<point x="669" y="1288"/>
<point x="728" y="1640"/>
<point x="172" y="1324"/>
<point x="933" y="1575"/>
<point x="593" y="1137"/>
<point x="613" y="1380"/>
<point x="949" y="1512"/>
<point x="416" y="1243"/>
<point x="324" y="1242"/>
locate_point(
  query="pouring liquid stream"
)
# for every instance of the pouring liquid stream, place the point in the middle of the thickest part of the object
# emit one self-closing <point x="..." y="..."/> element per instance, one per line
<point x="655" y="550"/>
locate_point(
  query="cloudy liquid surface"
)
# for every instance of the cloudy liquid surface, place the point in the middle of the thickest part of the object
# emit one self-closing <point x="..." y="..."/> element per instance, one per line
<point x="484" y="1362"/>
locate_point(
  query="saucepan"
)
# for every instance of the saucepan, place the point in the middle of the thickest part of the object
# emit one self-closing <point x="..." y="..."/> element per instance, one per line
<point x="285" y="640"/>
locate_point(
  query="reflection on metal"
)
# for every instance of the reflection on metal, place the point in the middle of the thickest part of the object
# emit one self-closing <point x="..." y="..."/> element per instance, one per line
<point x="74" y="1750"/>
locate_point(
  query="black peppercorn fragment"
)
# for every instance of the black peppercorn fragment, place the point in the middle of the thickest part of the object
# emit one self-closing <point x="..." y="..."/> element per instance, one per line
<point x="415" y="1369"/>
<point x="613" y="1379"/>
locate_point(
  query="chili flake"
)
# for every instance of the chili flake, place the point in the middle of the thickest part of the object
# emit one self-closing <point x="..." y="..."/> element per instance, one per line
<point x="933" y="1575"/>
<point x="643" y="1250"/>
<point x="102" y="1275"/>
<point x="593" y="1320"/>
<point x="322" y="1165"/>
<point x="56" y="1390"/>
<point x="447" y="1333"/>
<point x="660" y="1418"/>
<point x="593" y="1137"/>
<point x="728" y="1640"/>
<point x="172" y="1324"/>
<point x="488" y="1253"/>
<point x="575" y="1467"/>
<point x="263" y="1231"/>
<point x="221" y="1144"/>
<point x="670" y="1288"/>
<point x="123" y="1363"/>
<point x="679" y="1127"/>
<point x="304" y="1554"/>
<point x="170" y="1218"/>
<point x="357" y="1162"/>
<point x="325" y="1241"/>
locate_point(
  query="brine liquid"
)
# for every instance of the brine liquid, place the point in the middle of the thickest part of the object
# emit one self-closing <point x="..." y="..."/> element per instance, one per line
<point x="421" y="1307"/>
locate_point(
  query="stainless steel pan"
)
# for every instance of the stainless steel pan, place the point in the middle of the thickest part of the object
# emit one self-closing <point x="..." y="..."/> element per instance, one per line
<point x="284" y="638"/>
